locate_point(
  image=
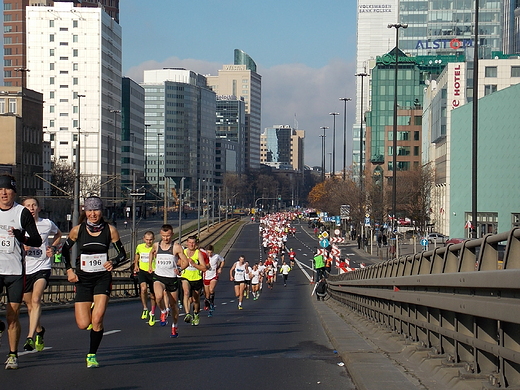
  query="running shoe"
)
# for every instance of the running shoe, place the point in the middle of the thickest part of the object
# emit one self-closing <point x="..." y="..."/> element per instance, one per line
<point x="12" y="362"/>
<point x="2" y="328"/>
<point x="91" y="361"/>
<point x="206" y="305"/>
<point x="29" y="344"/>
<point x="174" y="334"/>
<point x="151" y="320"/>
<point x="210" y="313"/>
<point x="163" y="321"/>
<point x="144" y="314"/>
<point x="240" y="307"/>
<point x="39" y="343"/>
<point x="89" y="327"/>
<point x="212" y="306"/>
<point x="188" y="318"/>
<point x="195" y="321"/>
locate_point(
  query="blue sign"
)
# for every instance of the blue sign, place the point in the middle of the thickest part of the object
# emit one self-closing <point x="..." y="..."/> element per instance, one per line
<point x="324" y="243"/>
<point x="424" y="242"/>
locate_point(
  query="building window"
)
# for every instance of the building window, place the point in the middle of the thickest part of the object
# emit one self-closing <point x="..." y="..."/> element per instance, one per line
<point x="51" y="95"/>
<point x="74" y="38"/>
<point x="7" y="18"/>
<point x="64" y="58"/>
<point x="7" y="73"/>
<point x="488" y="89"/>
<point x="51" y="66"/>
<point x="75" y="66"/>
<point x="2" y="106"/>
<point x="74" y="123"/>
<point x="75" y="109"/>
<point x="64" y="85"/>
<point x="8" y="51"/>
<point x="64" y="44"/>
<point x="51" y="123"/>
<point x="64" y="72"/>
<point x="51" y="109"/>
<point x="51" y="23"/>
<point x="515" y="71"/>
<point x="64" y="29"/>
<point x="12" y="106"/>
<point x="8" y="29"/>
<point x="8" y="40"/>
<point x="415" y="150"/>
<point x="74" y="52"/>
<point x="75" y="23"/>
<point x="64" y="114"/>
<point x="8" y="6"/>
<point x="491" y="71"/>
<point x="75" y="81"/>
<point x="51" y="80"/>
<point x="51" y="52"/>
<point x="51" y="38"/>
<point x="416" y="136"/>
<point x="515" y="220"/>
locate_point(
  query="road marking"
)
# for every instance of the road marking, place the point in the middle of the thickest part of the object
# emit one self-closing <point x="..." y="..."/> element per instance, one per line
<point x="111" y="332"/>
<point x="33" y="351"/>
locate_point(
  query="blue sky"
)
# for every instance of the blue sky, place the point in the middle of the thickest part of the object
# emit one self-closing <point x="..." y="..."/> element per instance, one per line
<point x="305" y="52"/>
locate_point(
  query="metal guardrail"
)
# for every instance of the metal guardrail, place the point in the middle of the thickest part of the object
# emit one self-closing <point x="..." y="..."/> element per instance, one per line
<point x="60" y="291"/>
<point x="461" y="301"/>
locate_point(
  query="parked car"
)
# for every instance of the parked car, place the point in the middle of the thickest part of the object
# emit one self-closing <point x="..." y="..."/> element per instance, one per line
<point x="455" y="240"/>
<point x="437" y="238"/>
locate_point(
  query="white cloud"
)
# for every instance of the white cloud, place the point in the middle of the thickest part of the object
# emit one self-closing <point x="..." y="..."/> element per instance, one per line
<point x="289" y="90"/>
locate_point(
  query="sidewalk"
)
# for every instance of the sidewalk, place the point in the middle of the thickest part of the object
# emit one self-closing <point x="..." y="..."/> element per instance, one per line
<point x="377" y="359"/>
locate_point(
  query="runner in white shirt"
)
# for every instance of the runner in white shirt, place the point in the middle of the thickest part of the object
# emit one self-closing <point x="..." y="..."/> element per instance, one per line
<point x="255" y="282"/>
<point x="284" y="270"/>
<point x="237" y="274"/>
<point x="37" y="273"/>
<point x="216" y="263"/>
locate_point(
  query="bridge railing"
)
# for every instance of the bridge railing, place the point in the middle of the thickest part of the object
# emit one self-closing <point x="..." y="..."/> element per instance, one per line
<point x="461" y="301"/>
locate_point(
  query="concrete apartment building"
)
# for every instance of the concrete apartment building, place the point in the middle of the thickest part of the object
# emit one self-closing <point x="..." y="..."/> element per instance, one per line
<point x="74" y="57"/>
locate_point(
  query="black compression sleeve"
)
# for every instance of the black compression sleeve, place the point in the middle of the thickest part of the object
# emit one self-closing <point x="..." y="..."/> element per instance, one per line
<point x="29" y="225"/>
<point x="65" y="252"/>
<point x="121" y="253"/>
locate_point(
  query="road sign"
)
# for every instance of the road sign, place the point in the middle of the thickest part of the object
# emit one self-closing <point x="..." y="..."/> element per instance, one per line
<point x="424" y="242"/>
<point x="324" y="243"/>
<point x="337" y="232"/>
<point x="325" y="235"/>
<point x="367" y="221"/>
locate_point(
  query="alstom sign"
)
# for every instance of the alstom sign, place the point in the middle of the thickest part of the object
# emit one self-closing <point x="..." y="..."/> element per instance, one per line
<point x="454" y="44"/>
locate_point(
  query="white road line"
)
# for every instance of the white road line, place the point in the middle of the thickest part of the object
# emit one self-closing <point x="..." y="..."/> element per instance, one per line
<point x="111" y="332"/>
<point x="33" y="351"/>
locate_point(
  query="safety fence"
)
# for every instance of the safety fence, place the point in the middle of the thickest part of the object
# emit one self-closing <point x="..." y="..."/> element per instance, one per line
<point x="461" y="301"/>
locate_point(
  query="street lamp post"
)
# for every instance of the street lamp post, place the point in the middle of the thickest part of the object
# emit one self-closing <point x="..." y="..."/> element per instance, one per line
<point x="474" y="130"/>
<point x="345" y="100"/>
<point x="323" y="152"/>
<point x="75" y="212"/>
<point x="397" y="26"/>
<point x="334" y="143"/>
<point x="361" y="134"/>
<point x="114" y="164"/>
<point x="158" y="170"/>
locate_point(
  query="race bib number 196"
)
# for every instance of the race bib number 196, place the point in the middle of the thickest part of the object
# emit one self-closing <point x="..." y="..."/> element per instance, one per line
<point x="93" y="263"/>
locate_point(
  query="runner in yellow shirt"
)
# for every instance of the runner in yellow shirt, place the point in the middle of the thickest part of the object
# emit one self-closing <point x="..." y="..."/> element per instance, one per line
<point x="142" y="264"/>
<point x="192" y="280"/>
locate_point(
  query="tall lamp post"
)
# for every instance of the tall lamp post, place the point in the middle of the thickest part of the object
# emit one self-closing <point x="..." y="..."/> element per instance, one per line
<point x="323" y="152"/>
<point x="345" y="100"/>
<point x="75" y="212"/>
<point x="361" y="134"/>
<point x="334" y="142"/>
<point x="114" y="164"/>
<point x="397" y="26"/>
<point x="158" y="170"/>
<point x="474" y="154"/>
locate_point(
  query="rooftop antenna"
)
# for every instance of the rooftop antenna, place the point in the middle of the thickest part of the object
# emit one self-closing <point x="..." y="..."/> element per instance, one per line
<point x="295" y="122"/>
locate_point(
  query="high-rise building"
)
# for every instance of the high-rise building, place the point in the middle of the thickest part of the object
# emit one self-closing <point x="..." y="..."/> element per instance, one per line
<point x="282" y="147"/>
<point x="132" y="133"/>
<point x="180" y="128"/>
<point x="15" y="54"/>
<point x="230" y="132"/>
<point x="435" y="28"/>
<point x="242" y="80"/>
<point x="74" y="57"/>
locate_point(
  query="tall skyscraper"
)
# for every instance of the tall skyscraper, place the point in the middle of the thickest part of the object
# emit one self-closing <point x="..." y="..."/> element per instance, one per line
<point x="74" y="57"/>
<point x="230" y="132"/>
<point x="15" y="54"/>
<point x="180" y="128"/>
<point x="242" y="80"/>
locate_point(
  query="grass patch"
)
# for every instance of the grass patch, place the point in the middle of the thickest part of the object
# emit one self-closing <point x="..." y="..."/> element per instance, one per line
<point x="221" y="243"/>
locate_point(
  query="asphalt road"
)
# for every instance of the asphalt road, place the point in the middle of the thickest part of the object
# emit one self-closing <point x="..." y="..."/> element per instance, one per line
<point x="276" y="342"/>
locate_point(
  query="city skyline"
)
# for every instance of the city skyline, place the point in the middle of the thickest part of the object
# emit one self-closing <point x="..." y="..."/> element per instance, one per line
<point x="306" y="56"/>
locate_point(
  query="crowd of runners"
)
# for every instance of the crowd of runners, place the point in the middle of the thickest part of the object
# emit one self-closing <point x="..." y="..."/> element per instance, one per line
<point x="171" y="278"/>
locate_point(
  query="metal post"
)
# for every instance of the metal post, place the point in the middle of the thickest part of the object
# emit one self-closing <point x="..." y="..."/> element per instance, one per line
<point x="181" y="207"/>
<point x="474" y="162"/>
<point x="134" y="233"/>
<point x="361" y="134"/>
<point x="334" y="143"/>
<point x="345" y="100"/>
<point x="198" y="209"/>
<point x="165" y="203"/>
<point x="323" y="153"/>
<point x="75" y="211"/>
<point x="158" y="171"/>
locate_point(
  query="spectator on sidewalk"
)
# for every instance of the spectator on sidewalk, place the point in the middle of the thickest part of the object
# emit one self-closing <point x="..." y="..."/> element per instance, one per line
<point x="321" y="289"/>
